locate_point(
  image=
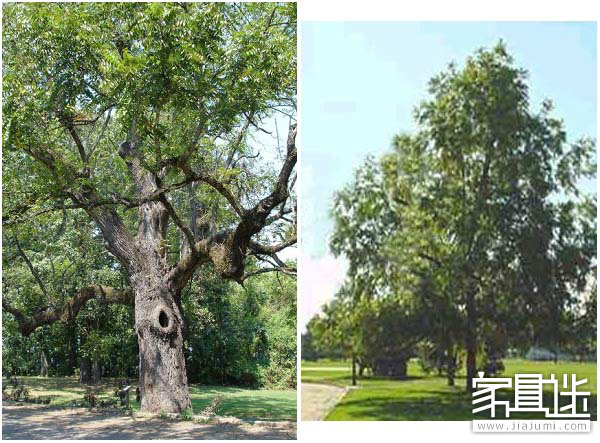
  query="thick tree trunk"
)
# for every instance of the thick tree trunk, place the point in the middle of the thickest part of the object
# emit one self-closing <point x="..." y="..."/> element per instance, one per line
<point x="159" y="323"/>
<point x="471" y="340"/>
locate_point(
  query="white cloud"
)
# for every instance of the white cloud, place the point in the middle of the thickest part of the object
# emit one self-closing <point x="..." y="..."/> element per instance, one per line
<point x="320" y="278"/>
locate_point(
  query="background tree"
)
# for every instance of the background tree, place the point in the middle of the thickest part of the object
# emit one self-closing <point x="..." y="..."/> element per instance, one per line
<point x="186" y="86"/>
<point x="336" y="332"/>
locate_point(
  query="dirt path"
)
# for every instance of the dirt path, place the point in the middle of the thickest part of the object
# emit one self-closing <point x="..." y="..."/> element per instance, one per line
<point x="318" y="400"/>
<point x="38" y="422"/>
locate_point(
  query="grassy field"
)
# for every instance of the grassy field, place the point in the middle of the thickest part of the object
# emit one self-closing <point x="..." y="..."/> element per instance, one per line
<point x="246" y="404"/>
<point x="427" y="397"/>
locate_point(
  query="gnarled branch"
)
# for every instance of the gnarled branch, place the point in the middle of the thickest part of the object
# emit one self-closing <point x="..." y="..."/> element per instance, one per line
<point x="227" y="250"/>
<point x="258" y="248"/>
<point x="68" y="312"/>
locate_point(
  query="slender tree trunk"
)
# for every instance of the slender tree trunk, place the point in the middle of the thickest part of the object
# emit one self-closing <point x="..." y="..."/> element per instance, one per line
<point x="451" y="364"/>
<point x="158" y="320"/>
<point x="72" y="349"/>
<point x="43" y="364"/>
<point x="471" y="339"/>
<point x="353" y="370"/>
<point x="96" y="371"/>
<point x="85" y="370"/>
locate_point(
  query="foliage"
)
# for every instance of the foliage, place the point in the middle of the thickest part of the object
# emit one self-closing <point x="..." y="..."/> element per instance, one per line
<point x="235" y="336"/>
<point x="242" y="336"/>
<point x="187" y="414"/>
<point x="200" y="84"/>
<point x="475" y="224"/>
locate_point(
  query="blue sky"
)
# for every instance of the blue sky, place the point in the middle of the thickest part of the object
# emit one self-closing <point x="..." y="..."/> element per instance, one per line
<point x="361" y="81"/>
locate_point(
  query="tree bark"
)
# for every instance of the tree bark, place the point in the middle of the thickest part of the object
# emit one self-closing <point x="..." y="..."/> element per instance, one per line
<point x="85" y="370"/>
<point x="72" y="349"/>
<point x="159" y="326"/>
<point x="353" y="370"/>
<point x="43" y="364"/>
<point x="158" y="318"/>
<point x="451" y="364"/>
<point x="96" y="371"/>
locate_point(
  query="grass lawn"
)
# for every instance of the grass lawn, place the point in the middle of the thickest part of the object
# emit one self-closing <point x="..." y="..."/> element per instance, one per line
<point x="427" y="397"/>
<point x="246" y="404"/>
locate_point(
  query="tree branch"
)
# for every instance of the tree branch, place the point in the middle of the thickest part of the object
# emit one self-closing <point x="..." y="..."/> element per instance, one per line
<point x="227" y="250"/>
<point x="77" y="141"/>
<point x="287" y="271"/>
<point x="118" y="240"/>
<point x="31" y="268"/>
<point x="68" y="312"/>
<point x="186" y="231"/>
<point x="258" y="248"/>
<point x="99" y="136"/>
<point x="215" y="184"/>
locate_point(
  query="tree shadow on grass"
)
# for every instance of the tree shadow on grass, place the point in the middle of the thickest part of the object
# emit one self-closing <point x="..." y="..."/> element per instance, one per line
<point x="407" y="378"/>
<point x="433" y="405"/>
<point x="22" y="424"/>
<point x="215" y="390"/>
<point x="246" y="404"/>
<point x="441" y="406"/>
<point x="325" y="378"/>
<point x="251" y="408"/>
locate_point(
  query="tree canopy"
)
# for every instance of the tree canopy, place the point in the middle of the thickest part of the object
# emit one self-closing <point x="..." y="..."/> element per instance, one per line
<point x="477" y="221"/>
<point x="150" y="131"/>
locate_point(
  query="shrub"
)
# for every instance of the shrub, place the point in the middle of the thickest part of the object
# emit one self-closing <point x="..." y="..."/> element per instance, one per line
<point x="91" y="396"/>
<point x="187" y="414"/>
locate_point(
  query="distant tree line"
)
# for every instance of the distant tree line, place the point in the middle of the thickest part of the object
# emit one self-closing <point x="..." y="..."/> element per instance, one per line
<point x="233" y="336"/>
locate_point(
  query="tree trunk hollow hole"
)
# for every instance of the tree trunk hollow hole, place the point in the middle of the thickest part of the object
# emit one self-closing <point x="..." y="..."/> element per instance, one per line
<point x="163" y="319"/>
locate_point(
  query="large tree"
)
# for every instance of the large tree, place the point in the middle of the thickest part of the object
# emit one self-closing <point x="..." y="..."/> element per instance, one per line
<point x="479" y="212"/>
<point x="146" y="117"/>
<point x="501" y="177"/>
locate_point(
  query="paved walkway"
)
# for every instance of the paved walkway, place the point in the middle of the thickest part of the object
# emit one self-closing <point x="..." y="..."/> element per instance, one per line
<point x="318" y="400"/>
<point x="24" y="422"/>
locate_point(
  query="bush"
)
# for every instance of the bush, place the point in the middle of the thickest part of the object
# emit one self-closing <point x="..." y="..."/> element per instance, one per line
<point x="91" y="396"/>
<point x="187" y="414"/>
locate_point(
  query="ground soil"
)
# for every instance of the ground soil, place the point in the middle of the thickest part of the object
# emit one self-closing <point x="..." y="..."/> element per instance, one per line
<point x="24" y="422"/>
